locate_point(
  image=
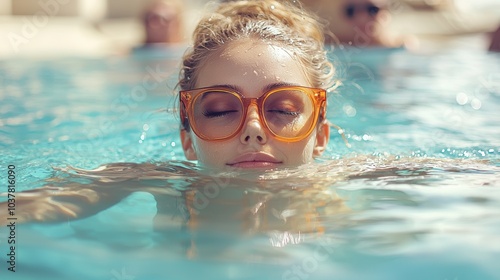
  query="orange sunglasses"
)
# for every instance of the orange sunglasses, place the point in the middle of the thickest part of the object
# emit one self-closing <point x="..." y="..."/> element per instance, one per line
<point x="289" y="113"/>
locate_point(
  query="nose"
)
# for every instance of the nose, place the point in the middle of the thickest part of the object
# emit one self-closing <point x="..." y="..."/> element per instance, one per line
<point x="253" y="131"/>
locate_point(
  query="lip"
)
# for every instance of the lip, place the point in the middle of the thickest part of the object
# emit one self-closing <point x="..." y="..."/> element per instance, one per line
<point x="255" y="160"/>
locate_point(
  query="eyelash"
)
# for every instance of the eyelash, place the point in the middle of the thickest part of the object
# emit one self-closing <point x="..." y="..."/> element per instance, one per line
<point x="218" y="114"/>
<point x="289" y="113"/>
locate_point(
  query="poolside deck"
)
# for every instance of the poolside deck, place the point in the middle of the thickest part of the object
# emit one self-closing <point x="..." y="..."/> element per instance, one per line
<point x="37" y="36"/>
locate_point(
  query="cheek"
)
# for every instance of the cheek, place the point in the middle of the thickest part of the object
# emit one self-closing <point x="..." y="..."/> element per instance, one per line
<point x="308" y="149"/>
<point x="210" y="153"/>
<point x="298" y="152"/>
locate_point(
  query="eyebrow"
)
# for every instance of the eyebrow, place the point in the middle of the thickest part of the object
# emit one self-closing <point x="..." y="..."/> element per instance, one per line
<point x="226" y="86"/>
<point x="263" y="90"/>
<point x="277" y="85"/>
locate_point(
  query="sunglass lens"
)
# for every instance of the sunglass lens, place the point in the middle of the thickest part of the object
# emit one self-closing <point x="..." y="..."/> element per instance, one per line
<point x="289" y="113"/>
<point x="217" y="114"/>
<point x="350" y="10"/>
<point x="373" y="10"/>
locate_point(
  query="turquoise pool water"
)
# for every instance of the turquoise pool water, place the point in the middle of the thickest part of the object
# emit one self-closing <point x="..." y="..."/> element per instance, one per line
<point x="416" y="196"/>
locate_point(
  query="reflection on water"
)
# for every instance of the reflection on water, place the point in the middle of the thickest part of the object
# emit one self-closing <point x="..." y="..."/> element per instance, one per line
<point x="322" y="219"/>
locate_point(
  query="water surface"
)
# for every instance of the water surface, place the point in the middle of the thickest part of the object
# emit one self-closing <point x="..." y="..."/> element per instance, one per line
<point x="416" y="196"/>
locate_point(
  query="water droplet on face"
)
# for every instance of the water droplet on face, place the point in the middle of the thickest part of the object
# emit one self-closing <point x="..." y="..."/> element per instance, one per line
<point x="273" y="7"/>
<point x="255" y="72"/>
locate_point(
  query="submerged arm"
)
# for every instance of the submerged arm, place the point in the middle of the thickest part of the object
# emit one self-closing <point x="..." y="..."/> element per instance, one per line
<point x="108" y="185"/>
<point x="54" y="204"/>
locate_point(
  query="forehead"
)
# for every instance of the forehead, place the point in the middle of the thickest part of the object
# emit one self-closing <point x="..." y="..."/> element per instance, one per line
<point x="251" y="65"/>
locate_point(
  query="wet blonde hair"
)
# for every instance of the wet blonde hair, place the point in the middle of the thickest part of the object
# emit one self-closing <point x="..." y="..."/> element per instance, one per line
<point x="280" y="22"/>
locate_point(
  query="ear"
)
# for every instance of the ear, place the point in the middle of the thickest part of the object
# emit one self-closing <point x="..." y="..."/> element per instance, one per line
<point x="187" y="145"/>
<point x="322" y="138"/>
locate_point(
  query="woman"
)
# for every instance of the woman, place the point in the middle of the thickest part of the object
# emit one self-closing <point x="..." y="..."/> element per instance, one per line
<point x="264" y="64"/>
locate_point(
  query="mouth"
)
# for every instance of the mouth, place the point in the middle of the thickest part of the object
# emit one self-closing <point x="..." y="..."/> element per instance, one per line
<point x="255" y="160"/>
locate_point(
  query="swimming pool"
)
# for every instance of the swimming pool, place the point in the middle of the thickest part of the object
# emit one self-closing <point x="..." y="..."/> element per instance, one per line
<point x="416" y="196"/>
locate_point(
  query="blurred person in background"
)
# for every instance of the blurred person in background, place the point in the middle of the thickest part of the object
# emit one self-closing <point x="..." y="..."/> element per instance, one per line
<point x="163" y="23"/>
<point x="360" y="23"/>
<point x="495" y="41"/>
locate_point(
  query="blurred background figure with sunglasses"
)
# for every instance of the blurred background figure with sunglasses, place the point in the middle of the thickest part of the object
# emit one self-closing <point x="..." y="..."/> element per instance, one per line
<point x="360" y="23"/>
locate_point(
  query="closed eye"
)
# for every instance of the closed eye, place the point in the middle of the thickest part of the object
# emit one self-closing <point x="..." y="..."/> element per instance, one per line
<point x="284" y="112"/>
<point x="217" y="114"/>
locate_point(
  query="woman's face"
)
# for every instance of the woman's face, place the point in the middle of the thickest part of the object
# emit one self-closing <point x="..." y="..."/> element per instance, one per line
<point x="251" y="66"/>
